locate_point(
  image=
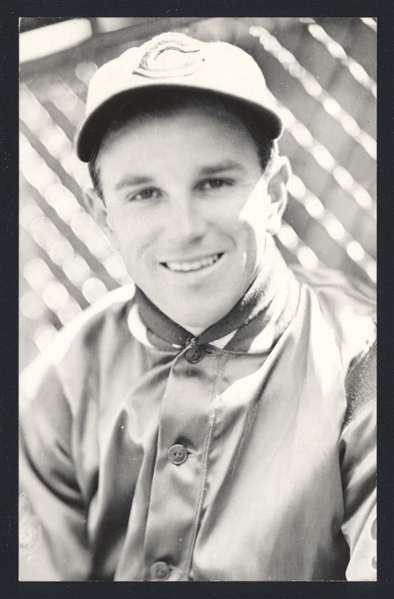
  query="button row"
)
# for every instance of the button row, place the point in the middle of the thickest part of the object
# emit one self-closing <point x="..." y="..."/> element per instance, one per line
<point x="177" y="454"/>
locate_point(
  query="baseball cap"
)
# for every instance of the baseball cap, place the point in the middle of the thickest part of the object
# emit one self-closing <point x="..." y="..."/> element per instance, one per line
<point x="175" y="60"/>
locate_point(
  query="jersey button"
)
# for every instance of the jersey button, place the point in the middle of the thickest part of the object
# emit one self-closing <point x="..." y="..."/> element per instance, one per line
<point x="177" y="454"/>
<point x="195" y="354"/>
<point x="159" y="570"/>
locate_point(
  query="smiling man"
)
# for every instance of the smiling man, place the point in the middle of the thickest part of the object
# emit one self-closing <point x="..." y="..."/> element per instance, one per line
<point x="218" y="422"/>
<point x="188" y="211"/>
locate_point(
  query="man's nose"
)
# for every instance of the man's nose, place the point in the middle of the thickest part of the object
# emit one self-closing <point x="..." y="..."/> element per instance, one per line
<point x="186" y="221"/>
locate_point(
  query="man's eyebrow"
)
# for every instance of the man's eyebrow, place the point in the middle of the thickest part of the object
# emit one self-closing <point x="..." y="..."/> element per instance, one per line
<point x="227" y="165"/>
<point x="130" y="181"/>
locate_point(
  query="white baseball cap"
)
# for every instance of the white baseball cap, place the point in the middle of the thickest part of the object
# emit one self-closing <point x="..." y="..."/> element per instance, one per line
<point x="174" y="60"/>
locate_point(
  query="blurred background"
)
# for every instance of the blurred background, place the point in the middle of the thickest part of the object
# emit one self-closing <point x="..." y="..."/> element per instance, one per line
<point x="322" y="73"/>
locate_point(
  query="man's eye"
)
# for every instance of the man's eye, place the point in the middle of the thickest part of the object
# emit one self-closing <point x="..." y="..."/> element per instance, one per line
<point x="211" y="184"/>
<point x="145" y="194"/>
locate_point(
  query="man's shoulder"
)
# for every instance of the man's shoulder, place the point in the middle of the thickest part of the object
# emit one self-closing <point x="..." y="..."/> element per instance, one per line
<point x="339" y="290"/>
<point x="104" y="323"/>
<point x="348" y="306"/>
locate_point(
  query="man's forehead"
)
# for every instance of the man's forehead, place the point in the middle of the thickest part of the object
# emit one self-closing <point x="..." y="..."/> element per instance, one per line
<point x="138" y="152"/>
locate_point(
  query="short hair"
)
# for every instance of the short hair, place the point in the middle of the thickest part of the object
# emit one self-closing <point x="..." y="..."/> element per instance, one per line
<point x="170" y="102"/>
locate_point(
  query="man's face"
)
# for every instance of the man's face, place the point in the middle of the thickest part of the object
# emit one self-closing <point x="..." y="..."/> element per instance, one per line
<point x="187" y="207"/>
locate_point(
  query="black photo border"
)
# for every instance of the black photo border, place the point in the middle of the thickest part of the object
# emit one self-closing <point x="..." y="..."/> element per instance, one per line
<point x="10" y="12"/>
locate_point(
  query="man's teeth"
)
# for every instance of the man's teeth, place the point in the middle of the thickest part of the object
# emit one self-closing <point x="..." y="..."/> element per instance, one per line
<point x="194" y="265"/>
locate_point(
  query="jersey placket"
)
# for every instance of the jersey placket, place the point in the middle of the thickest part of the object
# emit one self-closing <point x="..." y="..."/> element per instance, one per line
<point x="179" y="476"/>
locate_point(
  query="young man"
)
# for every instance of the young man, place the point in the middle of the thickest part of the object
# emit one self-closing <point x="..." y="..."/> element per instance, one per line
<point x="218" y="423"/>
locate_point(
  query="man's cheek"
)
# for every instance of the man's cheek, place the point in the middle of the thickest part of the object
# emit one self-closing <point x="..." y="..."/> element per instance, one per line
<point x="139" y="265"/>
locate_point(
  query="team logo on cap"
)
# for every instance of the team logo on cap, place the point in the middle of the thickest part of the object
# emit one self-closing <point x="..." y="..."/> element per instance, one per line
<point x="170" y="58"/>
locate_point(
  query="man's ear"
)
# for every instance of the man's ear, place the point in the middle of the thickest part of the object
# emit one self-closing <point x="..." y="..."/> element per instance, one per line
<point x="277" y="191"/>
<point x="98" y="210"/>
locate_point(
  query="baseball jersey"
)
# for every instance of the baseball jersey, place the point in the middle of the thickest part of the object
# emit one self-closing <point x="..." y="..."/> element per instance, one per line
<point x="247" y="453"/>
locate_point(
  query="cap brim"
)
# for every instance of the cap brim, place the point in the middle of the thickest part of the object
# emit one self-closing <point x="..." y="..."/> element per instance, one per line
<point x="94" y="127"/>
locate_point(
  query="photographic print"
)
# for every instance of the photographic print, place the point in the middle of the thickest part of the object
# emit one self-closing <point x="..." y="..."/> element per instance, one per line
<point x="197" y="299"/>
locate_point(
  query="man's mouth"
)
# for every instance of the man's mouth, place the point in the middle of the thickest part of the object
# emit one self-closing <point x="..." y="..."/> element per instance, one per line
<point x="192" y="265"/>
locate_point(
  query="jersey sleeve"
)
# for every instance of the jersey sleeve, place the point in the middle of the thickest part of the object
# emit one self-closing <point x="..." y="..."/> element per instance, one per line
<point x="358" y="467"/>
<point x="52" y="515"/>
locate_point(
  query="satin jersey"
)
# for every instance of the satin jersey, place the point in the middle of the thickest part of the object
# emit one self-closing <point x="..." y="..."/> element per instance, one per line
<point x="147" y="454"/>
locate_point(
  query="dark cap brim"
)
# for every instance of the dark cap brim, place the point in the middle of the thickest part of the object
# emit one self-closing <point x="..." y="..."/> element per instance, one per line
<point x="92" y="130"/>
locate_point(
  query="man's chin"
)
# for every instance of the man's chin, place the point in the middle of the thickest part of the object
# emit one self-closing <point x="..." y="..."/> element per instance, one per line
<point x="200" y="320"/>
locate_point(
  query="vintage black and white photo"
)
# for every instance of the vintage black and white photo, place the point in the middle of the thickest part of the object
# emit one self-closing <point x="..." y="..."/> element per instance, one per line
<point x="197" y="299"/>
